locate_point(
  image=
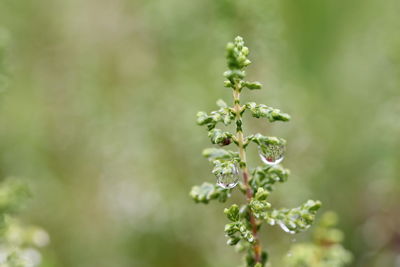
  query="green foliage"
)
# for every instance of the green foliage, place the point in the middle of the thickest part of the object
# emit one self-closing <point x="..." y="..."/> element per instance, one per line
<point x="13" y="194"/>
<point x="19" y="243"/>
<point x="257" y="184"/>
<point x="294" y="220"/>
<point x="325" y="251"/>
<point x="237" y="230"/>
<point x="263" y="111"/>
<point x="206" y="192"/>
<point x="266" y="176"/>
<point x="220" y="154"/>
<point x="224" y="115"/>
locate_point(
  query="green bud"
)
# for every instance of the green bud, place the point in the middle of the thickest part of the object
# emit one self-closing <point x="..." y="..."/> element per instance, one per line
<point x="253" y="85"/>
<point x="246" y="62"/>
<point x="239" y="42"/>
<point x="261" y="194"/>
<point x="232" y="213"/>
<point x="231" y="228"/>
<point x="241" y="59"/>
<point x="228" y="84"/>
<point x="245" y="50"/>
<point x="220" y="137"/>
<point x="206" y="192"/>
<point x="234" y="74"/>
<point x="233" y="241"/>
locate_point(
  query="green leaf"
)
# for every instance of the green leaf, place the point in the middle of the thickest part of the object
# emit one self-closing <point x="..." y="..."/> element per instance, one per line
<point x="295" y="220"/>
<point x="220" y="137"/>
<point x="252" y="85"/>
<point x="261" y="194"/>
<point x="224" y="115"/>
<point x="266" y="176"/>
<point x="228" y="84"/>
<point x="220" y="154"/>
<point x="259" y="205"/>
<point x="263" y="141"/>
<point x="232" y="213"/>
<point x="263" y="111"/>
<point x="233" y="240"/>
<point x="246" y="234"/>
<point x="231" y="75"/>
<point x="207" y="191"/>
<point x="238" y="230"/>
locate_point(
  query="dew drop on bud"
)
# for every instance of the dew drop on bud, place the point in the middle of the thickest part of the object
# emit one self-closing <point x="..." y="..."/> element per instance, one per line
<point x="271" y="154"/>
<point x="228" y="180"/>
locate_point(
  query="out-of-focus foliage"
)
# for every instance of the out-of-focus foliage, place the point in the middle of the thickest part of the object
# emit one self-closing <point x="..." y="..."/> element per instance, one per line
<point x="326" y="251"/>
<point x="97" y="110"/>
<point x="19" y="243"/>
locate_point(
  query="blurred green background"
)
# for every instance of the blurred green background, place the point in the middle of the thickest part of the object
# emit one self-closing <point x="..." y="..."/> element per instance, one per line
<point x="97" y="113"/>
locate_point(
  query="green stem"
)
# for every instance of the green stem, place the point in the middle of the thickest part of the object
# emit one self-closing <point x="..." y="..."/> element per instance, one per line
<point x="245" y="171"/>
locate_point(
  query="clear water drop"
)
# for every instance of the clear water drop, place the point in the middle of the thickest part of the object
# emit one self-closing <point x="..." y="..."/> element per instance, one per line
<point x="271" y="154"/>
<point x="271" y="221"/>
<point x="286" y="229"/>
<point x="228" y="180"/>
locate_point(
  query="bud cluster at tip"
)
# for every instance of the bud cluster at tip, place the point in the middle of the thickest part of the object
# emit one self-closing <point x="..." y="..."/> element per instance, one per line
<point x="237" y="60"/>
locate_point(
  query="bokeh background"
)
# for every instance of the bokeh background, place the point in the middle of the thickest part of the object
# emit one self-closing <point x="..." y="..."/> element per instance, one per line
<point x="97" y="114"/>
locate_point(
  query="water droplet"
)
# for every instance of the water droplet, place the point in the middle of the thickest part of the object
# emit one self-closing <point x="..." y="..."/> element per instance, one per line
<point x="271" y="154"/>
<point x="228" y="180"/>
<point x="286" y="229"/>
<point x="271" y="221"/>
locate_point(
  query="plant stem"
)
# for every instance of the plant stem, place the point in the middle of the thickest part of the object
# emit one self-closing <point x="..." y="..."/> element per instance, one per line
<point x="245" y="171"/>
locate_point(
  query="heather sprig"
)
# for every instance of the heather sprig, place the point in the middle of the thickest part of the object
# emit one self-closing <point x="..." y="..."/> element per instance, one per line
<point x="257" y="183"/>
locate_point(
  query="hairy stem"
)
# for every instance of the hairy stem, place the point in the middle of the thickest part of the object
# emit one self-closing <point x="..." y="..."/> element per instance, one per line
<point x="245" y="171"/>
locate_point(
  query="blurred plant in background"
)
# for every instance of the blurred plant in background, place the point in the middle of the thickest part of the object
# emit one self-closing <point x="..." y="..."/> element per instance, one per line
<point x="19" y="243"/>
<point x="325" y="251"/>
